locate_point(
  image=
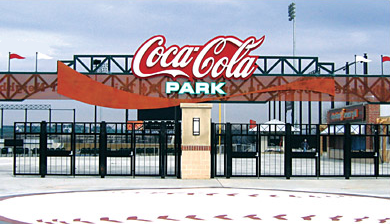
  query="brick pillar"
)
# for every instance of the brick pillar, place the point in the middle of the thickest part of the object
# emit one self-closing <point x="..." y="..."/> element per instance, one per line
<point x="372" y="114"/>
<point x="196" y="147"/>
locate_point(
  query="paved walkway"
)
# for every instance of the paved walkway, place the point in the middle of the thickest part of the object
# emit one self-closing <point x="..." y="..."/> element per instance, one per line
<point x="52" y="200"/>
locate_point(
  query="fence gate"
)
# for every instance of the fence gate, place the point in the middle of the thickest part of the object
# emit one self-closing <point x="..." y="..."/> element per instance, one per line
<point x="26" y="157"/>
<point x="158" y="149"/>
<point x="248" y="150"/>
<point x="331" y="150"/>
<point x="273" y="149"/>
<point x="86" y="146"/>
<point x="242" y="151"/>
<point x="303" y="150"/>
<point x="362" y="150"/>
<point x="218" y="148"/>
<point x="384" y="150"/>
<point x="151" y="149"/>
<point x="332" y="159"/>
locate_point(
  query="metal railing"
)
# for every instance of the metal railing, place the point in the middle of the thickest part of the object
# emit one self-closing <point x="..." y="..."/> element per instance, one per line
<point x="283" y="150"/>
<point x="117" y="149"/>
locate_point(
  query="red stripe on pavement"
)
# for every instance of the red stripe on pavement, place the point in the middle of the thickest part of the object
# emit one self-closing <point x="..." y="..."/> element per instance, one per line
<point x="223" y="217"/>
<point x="193" y="217"/>
<point x="383" y="220"/>
<point x="280" y="217"/>
<point x="336" y="218"/>
<point x="211" y="194"/>
<point x="165" y="217"/>
<point x="79" y="220"/>
<point x="308" y="217"/>
<point x="361" y="219"/>
<point x="254" y="217"/>
<point x="109" y="220"/>
<point x="137" y="219"/>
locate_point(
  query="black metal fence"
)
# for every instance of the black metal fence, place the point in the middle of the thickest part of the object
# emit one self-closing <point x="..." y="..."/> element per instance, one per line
<point x="101" y="149"/>
<point x="283" y="150"/>
<point x="238" y="150"/>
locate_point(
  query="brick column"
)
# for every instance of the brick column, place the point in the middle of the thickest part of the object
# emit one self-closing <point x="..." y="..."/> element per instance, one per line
<point x="196" y="157"/>
<point x="372" y="114"/>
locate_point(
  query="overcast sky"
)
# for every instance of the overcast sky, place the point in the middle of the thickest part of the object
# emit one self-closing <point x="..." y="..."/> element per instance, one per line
<point x="332" y="30"/>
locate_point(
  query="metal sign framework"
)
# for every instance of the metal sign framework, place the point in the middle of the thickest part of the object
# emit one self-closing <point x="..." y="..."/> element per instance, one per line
<point x="25" y="106"/>
<point x="115" y="71"/>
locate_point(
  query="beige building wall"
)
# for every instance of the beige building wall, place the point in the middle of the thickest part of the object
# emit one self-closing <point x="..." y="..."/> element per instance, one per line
<point x="196" y="157"/>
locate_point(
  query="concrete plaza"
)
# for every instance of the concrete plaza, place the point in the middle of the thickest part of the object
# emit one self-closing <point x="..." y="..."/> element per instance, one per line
<point x="58" y="199"/>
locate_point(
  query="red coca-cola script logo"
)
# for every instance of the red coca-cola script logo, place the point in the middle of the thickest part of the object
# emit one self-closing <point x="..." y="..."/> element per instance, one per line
<point x="223" y="56"/>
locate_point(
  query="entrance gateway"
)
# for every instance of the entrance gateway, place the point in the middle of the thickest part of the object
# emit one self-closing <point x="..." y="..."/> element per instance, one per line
<point x="196" y="148"/>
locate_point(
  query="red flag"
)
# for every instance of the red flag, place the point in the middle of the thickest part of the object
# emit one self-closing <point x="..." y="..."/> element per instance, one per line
<point x="16" y="56"/>
<point x="385" y="58"/>
<point x="252" y="124"/>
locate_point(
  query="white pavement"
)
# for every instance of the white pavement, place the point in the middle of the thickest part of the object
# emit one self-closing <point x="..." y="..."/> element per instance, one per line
<point x="127" y="200"/>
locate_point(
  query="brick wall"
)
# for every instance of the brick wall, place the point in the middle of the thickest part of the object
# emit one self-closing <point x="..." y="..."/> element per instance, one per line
<point x="196" y="162"/>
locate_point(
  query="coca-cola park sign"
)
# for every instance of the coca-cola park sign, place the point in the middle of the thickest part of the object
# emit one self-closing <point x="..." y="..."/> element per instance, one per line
<point x="223" y="56"/>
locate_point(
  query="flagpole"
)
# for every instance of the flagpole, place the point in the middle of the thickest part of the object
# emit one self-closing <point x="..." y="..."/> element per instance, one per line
<point x="9" y="61"/>
<point x="382" y="63"/>
<point x="36" y="61"/>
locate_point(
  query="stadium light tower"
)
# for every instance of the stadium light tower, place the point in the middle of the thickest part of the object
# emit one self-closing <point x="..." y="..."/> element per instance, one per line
<point x="291" y="17"/>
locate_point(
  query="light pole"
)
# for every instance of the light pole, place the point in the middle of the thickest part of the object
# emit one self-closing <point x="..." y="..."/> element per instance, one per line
<point x="291" y="17"/>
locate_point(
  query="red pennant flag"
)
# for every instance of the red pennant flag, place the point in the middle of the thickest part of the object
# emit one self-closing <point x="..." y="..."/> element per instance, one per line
<point x="15" y="56"/>
<point x="385" y="58"/>
<point x="252" y="124"/>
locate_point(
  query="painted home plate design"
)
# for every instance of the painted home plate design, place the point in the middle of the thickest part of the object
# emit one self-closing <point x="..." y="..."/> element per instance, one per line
<point x="198" y="205"/>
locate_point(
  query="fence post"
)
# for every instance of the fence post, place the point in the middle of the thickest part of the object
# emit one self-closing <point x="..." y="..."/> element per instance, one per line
<point x="162" y="156"/>
<point x="228" y="147"/>
<point x="73" y="149"/>
<point x="287" y="154"/>
<point x="213" y="150"/>
<point x="103" y="150"/>
<point x="178" y="148"/>
<point x="258" y="150"/>
<point x="347" y="150"/>
<point x="376" y="150"/>
<point x="133" y="148"/>
<point x="318" y="153"/>
<point x="43" y="150"/>
<point x="14" y="148"/>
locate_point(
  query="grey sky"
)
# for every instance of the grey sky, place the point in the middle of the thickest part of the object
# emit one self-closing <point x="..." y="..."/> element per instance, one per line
<point x="332" y="30"/>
